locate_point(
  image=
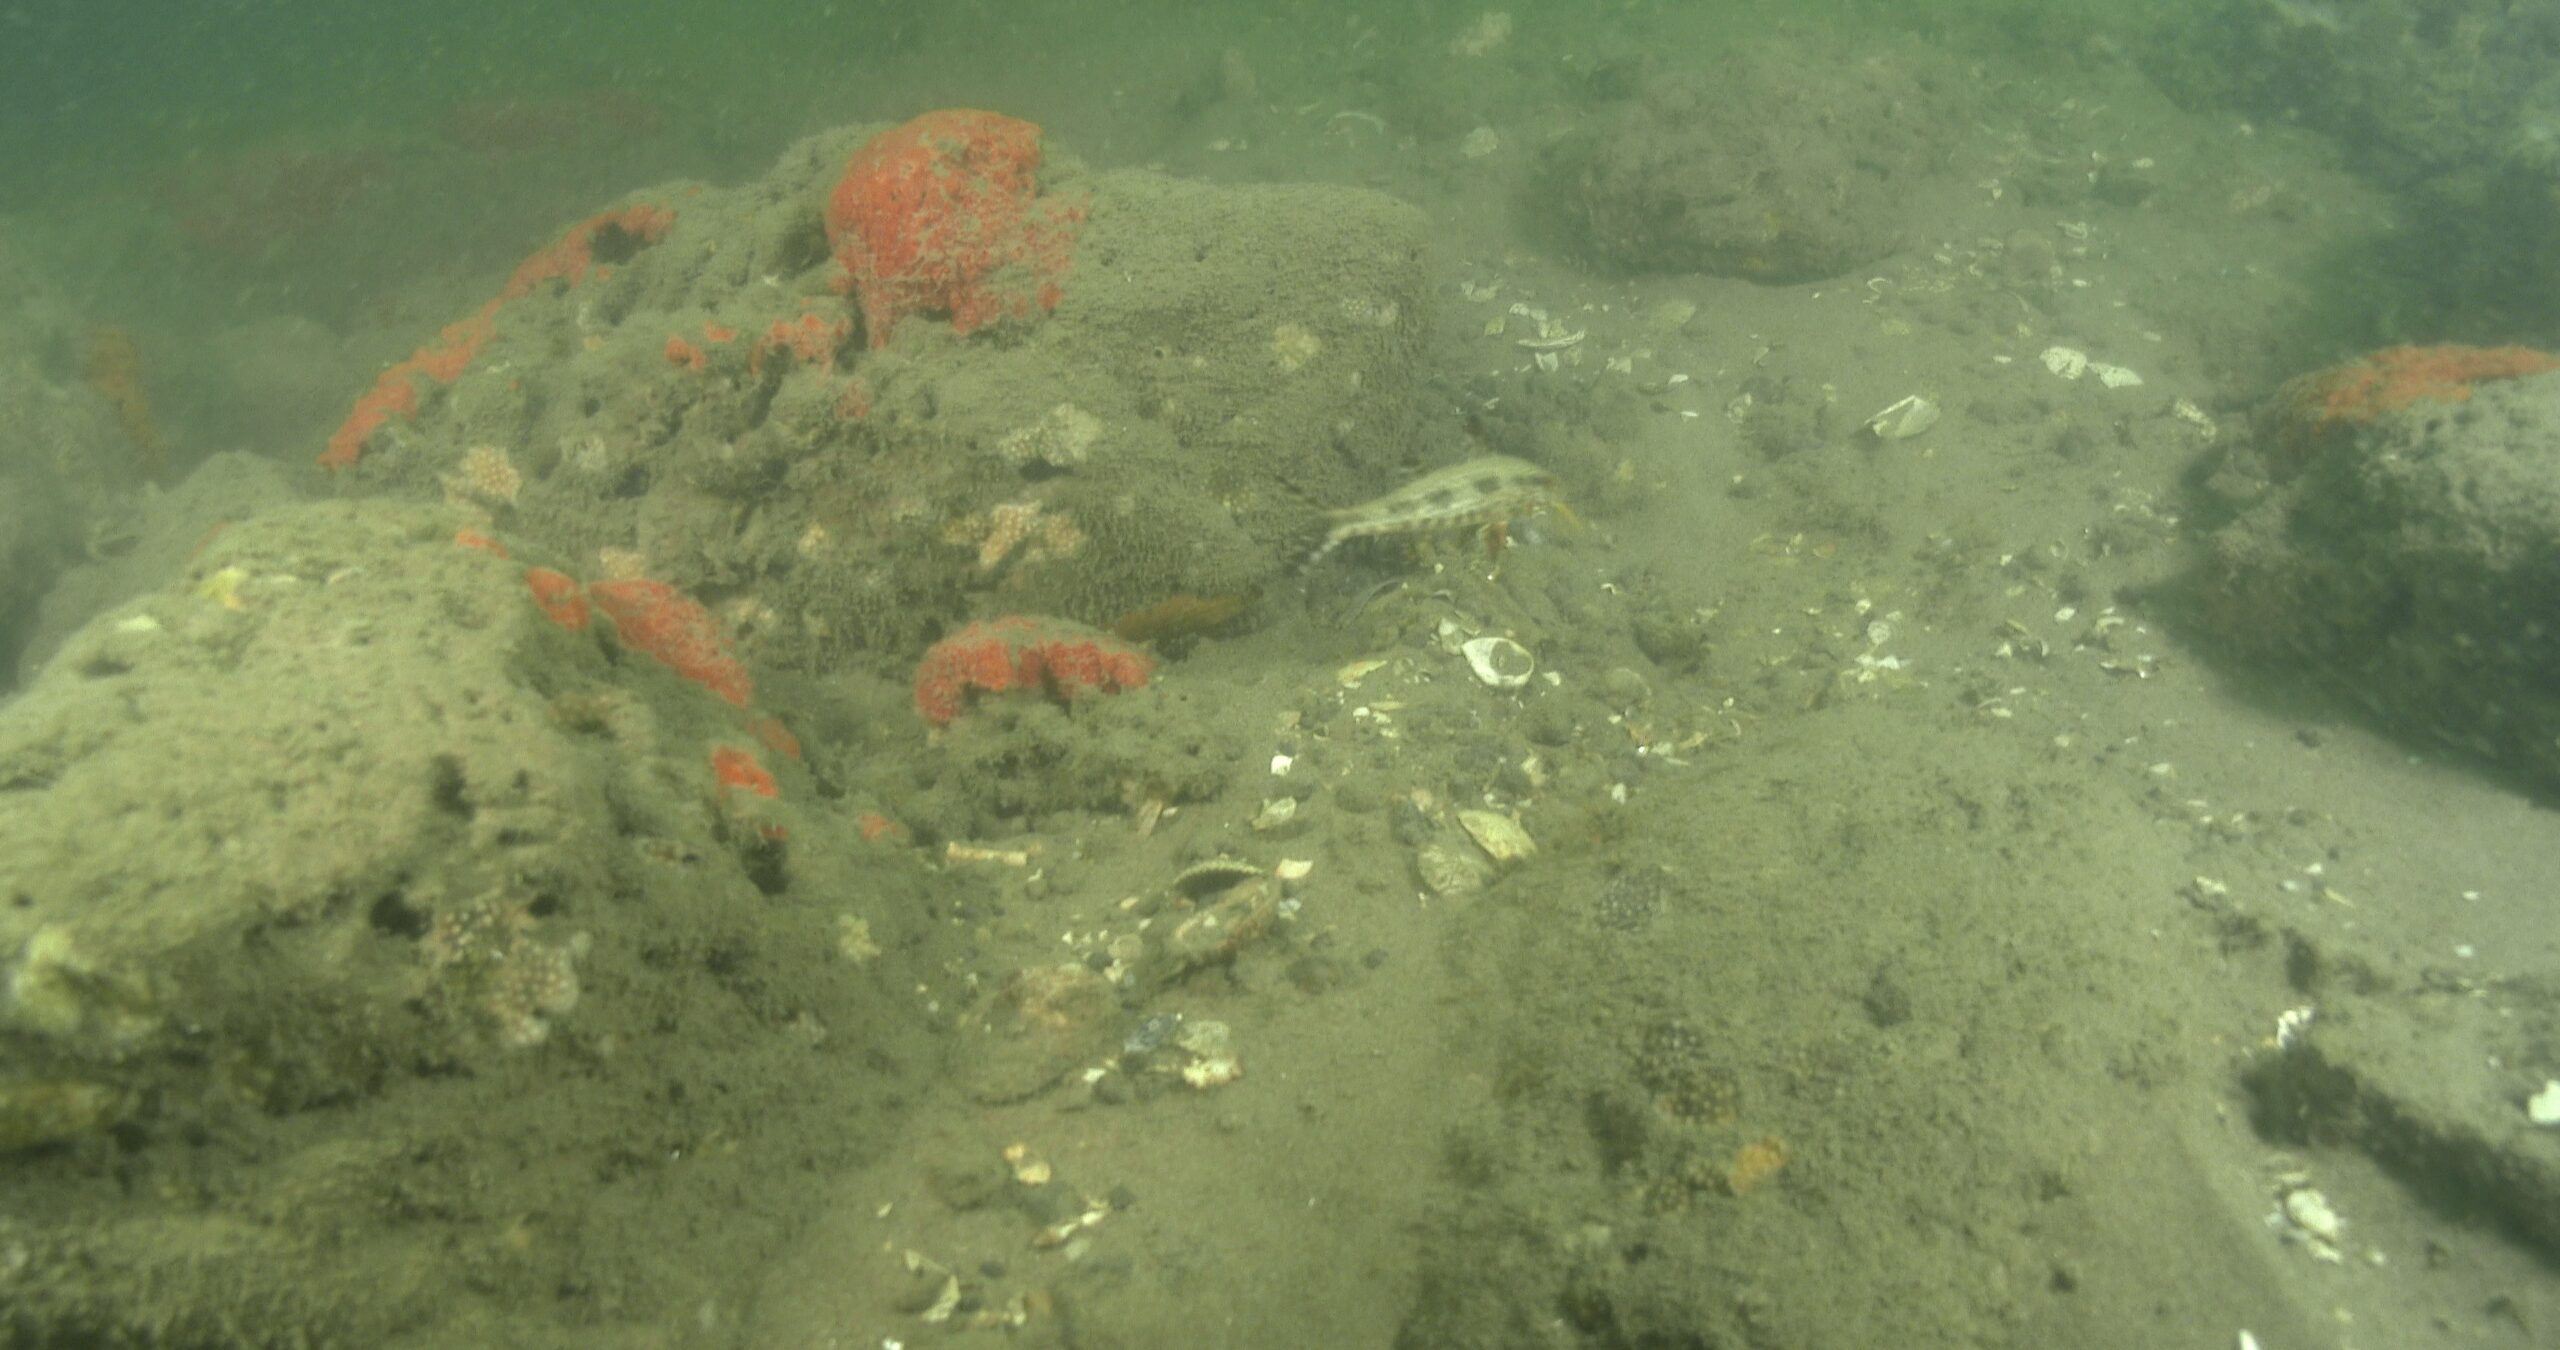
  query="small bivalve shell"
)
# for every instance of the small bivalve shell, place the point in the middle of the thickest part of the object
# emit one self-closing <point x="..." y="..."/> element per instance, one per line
<point x="1903" y="418"/>
<point x="1498" y="835"/>
<point x="1447" y="871"/>
<point x="2068" y="362"/>
<point x="1211" y="876"/>
<point x="1499" y="661"/>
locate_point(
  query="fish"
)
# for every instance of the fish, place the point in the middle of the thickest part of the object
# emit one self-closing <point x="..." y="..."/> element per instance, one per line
<point x="1493" y="490"/>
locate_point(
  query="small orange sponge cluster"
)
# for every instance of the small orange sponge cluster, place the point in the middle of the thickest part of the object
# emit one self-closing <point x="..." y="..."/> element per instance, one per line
<point x="652" y="618"/>
<point x="1053" y="656"/>
<point x="738" y="769"/>
<point x="655" y="618"/>
<point x="943" y="215"/>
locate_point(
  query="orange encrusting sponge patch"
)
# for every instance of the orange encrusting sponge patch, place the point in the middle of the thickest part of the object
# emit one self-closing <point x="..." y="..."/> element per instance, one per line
<point x="2395" y="377"/>
<point x="735" y="768"/>
<point x="560" y="596"/>
<point x="943" y="215"/>
<point x="655" y="618"/>
<point x="1052" y="656"/>
<point x="570" y="259"/>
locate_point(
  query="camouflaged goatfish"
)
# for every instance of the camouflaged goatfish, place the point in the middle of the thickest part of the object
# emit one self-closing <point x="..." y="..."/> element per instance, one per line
<point x="1492" y="491"/>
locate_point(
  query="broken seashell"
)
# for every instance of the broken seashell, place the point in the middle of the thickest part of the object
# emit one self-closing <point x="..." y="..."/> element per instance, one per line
<point x="1498" y="835"/>
<point x="1445" y="871"/>
<point x="1212" y="1071"/>
<point x="1351" y="675"/>
<point x="1209" y="876"/>
<point x="2114" y="377"/>
<point x="1499" y="661"/>
<point x="2068" y="362"/>
<point x="1028" y="1168"/>
<point x="1903" y="418"/>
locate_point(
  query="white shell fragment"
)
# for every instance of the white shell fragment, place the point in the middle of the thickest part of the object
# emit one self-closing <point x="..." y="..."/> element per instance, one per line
<point x="1498" y="835"/>
<point x="2304" y="1218"/>
<point x="1499" y="661"/>
<point x="2309" y="1210"/>
<point x="2543" y="1108"/>
<point x="1903" y="418"/>
<point x="2114" y="377"/>
<point x="1213" y="1056"/>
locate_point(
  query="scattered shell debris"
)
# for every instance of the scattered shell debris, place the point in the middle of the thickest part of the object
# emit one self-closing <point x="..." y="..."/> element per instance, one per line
<point x="1029" y="1168"/>
<point x="1350" y="676"/>
<point x="1057" y="1234"/>
<point x="2305" y="1217"/>
<point x="1448" y="871"/>
<point x="1211" y="1046"/>
<point x="946" y="1298"/>
<point x="2071" y="363"/>
<point x="1553" y="339"/>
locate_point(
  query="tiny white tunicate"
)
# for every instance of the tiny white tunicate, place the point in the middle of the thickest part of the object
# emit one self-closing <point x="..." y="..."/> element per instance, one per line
<point x="2544" y="1107"/>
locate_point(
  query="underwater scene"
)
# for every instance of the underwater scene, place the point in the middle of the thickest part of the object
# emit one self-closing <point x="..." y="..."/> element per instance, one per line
<point x="1587" y="675"/>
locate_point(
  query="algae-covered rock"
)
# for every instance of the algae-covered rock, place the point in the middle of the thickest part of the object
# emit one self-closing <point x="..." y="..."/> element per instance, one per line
<point x="1780" y="164"/>
<point x="355" y="906"/>
<point x="235" y="814"/>
<point x="2409" y="558"/>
